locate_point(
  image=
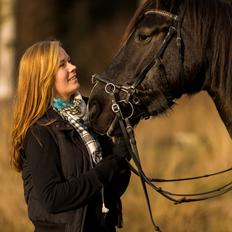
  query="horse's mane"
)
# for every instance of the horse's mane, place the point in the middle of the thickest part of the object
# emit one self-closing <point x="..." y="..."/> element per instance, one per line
<point x="212" y="26"/>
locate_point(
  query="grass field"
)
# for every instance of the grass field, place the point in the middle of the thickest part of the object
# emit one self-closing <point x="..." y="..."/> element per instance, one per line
<point x="187" y="141"/>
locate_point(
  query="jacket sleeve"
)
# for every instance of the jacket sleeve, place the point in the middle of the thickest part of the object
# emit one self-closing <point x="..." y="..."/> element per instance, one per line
<point x="119" y="185"/>
<point x="55" y="193"/>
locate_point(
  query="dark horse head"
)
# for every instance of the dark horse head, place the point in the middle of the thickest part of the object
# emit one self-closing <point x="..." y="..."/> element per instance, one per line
<point x="170" y="48"/>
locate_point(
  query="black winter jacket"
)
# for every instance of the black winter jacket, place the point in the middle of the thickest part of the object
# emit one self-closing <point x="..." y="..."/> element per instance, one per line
<point x="61" y="190"/>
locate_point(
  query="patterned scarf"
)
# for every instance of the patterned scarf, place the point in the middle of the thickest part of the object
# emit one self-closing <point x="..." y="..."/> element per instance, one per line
<point x="75" y="112"/>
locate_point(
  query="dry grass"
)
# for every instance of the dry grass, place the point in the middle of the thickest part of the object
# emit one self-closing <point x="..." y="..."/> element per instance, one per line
<point x="191" y="140"/>
<point x="12" y="206"/>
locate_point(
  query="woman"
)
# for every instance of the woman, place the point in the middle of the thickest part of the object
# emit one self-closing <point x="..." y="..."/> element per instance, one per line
<point x="71" y="182"/>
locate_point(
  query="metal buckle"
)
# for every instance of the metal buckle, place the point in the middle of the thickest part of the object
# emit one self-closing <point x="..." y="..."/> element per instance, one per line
<point x="135" y="100"/>
<point x="115" y="108"/>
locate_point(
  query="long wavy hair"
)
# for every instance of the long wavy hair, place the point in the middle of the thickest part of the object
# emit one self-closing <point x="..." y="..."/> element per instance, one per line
<point x="37" y="70"/>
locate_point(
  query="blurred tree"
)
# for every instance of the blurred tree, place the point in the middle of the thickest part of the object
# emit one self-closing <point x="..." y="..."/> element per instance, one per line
<point x="96" y="30"/>
<point x="7" y="37"/>
<point x="39" y="20"/>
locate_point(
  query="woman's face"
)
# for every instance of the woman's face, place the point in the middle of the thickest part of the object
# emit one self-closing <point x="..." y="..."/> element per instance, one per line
<point x="66" y="82"/>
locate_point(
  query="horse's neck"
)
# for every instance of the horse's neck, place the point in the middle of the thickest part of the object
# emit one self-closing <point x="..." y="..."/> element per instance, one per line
<point x="224" y="108"/>
<point x="220" y="90"/>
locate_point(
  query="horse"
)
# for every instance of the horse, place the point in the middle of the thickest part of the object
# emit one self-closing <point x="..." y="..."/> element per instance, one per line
<point x="170" y="48"/>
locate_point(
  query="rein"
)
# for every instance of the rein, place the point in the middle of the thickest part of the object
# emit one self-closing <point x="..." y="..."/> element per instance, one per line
<point x="132" y="92"/>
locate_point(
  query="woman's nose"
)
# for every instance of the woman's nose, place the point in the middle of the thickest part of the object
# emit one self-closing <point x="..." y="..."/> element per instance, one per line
<point x="72" y="67"/>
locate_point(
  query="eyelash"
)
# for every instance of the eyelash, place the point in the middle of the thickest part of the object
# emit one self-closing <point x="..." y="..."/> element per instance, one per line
<point x="62" y="65"/>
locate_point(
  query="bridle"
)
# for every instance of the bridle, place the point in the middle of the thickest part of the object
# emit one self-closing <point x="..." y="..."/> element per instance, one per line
<point x="132" y="91"/>
<point x="132" y="99"/>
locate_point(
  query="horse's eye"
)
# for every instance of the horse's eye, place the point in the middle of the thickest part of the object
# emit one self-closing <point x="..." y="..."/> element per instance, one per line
<point x="142" y="37"/>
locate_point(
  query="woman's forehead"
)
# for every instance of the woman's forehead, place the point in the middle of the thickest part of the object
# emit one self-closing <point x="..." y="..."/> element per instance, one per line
<point x="63" y="54"/>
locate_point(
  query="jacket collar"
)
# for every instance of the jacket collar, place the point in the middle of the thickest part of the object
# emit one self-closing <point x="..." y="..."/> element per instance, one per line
<point x="54" y="119"/>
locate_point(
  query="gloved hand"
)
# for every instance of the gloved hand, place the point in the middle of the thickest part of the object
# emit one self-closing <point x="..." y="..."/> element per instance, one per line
<point x="110" y="167"/>
<point x="120" y="149"/>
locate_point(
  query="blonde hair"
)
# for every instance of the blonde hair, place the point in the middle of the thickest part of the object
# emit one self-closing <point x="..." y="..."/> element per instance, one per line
<point x="37" y="70"/>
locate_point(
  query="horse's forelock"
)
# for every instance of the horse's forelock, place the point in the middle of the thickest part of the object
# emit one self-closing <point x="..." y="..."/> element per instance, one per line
<point x="135" y="19"/>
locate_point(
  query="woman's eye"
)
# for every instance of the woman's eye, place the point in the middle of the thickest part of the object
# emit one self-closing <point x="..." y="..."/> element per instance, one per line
<point x="62" y="64"/>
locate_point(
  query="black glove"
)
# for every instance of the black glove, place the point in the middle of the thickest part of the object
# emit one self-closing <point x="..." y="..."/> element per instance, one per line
<point x="110" y="167"/>
<point x="120" y="148"/>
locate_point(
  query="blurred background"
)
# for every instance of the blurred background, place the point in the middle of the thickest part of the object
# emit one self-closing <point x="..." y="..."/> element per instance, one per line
<point x="189" y="140"/>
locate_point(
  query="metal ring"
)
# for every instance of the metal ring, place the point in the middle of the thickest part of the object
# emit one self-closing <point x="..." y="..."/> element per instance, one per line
<point x="110" y="88"/>
<point x="132" y="108"/>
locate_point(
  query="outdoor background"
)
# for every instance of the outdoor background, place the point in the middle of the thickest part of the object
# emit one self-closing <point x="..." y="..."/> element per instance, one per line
<point x="187" y="141"/>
